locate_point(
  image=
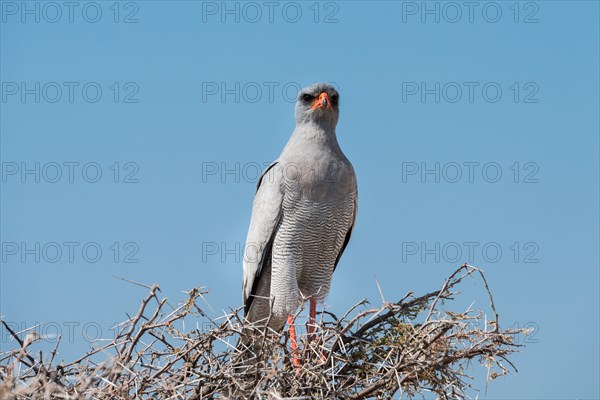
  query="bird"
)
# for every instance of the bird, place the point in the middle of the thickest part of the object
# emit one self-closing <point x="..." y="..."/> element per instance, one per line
<point x="303" y="214"/>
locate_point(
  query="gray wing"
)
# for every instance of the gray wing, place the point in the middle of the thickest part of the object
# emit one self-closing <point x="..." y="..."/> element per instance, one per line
<point x="349" y="233"/>
<point x="266" y="212"/>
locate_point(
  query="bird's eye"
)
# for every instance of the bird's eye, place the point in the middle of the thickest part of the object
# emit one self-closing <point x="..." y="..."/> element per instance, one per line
<point x="335" y="98"/>
<point x="307" y="97"/>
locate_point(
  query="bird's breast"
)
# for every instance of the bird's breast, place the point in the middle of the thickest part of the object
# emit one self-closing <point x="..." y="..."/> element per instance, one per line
<point x="309" y="239"/>
<point x="318" y="180"/>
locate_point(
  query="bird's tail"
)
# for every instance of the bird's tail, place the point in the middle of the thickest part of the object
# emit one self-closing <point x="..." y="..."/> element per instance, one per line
<point x="247" y="351"/>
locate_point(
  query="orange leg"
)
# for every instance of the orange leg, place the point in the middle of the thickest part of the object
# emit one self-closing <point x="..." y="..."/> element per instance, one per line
<point x="294" y="343"/>
<point x="312" y="320"/>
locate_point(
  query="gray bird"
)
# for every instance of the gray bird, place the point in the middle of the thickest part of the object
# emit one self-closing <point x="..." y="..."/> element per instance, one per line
<point x="302" y="217"/>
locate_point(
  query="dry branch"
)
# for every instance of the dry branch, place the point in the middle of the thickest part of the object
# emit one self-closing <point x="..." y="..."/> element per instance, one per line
<point x="411" y="347"/>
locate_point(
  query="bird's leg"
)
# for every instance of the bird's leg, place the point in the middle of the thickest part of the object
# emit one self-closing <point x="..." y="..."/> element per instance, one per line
<point x="312" y="317"/>
<point x="312" y="313"/>
<point x="294" y="343"/>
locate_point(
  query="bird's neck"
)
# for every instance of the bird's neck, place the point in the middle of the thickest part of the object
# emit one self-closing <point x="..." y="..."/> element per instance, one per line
<point x="313" y="132"/>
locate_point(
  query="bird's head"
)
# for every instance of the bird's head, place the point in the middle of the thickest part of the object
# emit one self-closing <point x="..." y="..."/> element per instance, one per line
<point x="319" y="104"/>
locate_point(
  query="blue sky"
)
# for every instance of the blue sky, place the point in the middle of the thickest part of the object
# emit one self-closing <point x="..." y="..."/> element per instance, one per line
<point x="473" y="133"/>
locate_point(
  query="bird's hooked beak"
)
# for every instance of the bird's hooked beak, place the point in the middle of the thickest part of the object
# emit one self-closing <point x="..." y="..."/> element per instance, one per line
<point x="323" y="101"/>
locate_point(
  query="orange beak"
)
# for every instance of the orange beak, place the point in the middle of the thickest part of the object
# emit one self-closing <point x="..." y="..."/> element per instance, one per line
<point x="322" y="102"/>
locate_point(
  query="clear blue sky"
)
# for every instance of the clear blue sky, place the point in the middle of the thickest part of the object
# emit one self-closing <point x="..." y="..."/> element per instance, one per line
<point x="182" y="102"/>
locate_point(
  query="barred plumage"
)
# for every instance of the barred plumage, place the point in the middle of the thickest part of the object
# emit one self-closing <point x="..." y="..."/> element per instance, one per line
<point x="303" y="214"/>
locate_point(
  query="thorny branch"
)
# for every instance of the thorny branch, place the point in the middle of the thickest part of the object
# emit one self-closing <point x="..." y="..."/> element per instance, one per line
<point x="410" y="347"/>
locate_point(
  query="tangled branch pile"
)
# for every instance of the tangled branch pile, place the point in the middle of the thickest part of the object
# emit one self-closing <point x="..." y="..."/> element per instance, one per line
<point x="411" y="347"/>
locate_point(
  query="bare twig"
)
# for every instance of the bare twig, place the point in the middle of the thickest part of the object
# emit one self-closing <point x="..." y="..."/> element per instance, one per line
<point x="411" y="347"/>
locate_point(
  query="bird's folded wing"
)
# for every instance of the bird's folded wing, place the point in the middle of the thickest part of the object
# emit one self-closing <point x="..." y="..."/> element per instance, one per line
<point x="349" y="232"/>
<point x="266" y="212"/>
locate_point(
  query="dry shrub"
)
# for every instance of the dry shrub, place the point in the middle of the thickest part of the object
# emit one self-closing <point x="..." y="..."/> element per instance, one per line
<point x="411" y="347"/>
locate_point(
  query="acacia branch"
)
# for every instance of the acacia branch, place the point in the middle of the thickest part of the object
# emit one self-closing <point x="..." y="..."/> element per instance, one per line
<point x="411" y="347"/>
